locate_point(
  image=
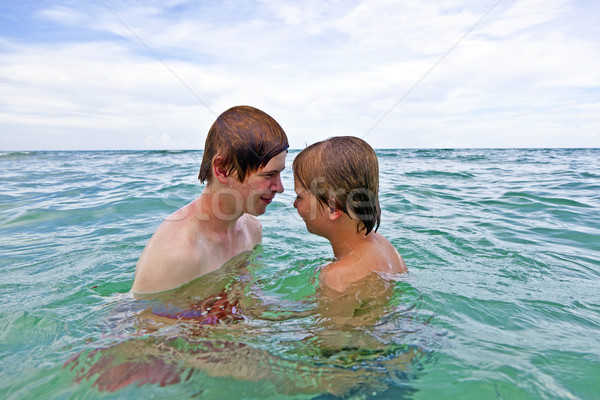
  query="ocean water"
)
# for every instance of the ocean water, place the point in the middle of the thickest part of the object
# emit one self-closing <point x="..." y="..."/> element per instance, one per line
<point x="502" y="298"/>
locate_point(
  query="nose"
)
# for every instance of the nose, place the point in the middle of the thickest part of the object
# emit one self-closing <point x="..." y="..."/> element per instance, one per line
<point x="278" y="185"/>
<point x="296" y="203"/>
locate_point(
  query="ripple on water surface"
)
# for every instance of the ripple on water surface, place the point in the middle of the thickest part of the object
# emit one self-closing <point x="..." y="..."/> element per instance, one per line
<point x="501" y="299"/>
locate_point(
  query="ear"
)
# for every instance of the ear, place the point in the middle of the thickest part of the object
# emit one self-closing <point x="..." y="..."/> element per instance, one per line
<point x="219" y="170"/>
<point x="334" y="213"/>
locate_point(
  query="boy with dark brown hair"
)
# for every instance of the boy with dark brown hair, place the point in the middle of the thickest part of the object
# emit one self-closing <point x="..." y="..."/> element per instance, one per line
<point x="243" y="158"/>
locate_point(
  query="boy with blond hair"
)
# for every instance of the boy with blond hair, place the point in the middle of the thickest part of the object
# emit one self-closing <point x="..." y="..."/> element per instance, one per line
<point x="337" y="185"/>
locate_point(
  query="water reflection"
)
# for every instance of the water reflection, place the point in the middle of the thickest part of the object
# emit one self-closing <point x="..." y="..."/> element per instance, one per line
<point x="223" y="325"/>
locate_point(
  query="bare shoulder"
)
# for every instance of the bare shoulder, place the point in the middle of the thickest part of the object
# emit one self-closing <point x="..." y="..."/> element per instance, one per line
<point x="384" y="256"/>
<point x="330" y="279"/>
<point x="375" y="255"/>
<point x="169" y="259"/>
<point x="341" y="274"/>
<point x="252" y="227"/>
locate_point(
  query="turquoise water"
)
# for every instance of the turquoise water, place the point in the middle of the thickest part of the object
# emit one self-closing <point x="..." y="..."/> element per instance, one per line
<point x="502" y="299"/>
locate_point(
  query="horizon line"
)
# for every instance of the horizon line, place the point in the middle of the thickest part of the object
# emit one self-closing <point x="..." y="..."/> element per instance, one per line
<point x="299" y="149"/>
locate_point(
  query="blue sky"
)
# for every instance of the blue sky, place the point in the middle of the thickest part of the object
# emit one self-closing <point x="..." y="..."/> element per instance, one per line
<point x="108" y="74"/>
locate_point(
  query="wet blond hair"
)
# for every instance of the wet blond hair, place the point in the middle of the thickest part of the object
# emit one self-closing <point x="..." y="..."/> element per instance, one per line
<point x="342" y="172"/>
<point x="246" y="137"/>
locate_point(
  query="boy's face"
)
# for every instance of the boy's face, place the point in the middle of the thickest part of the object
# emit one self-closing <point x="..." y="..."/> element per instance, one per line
<point x="259" y="188"/>
<point x="309" y="209"/>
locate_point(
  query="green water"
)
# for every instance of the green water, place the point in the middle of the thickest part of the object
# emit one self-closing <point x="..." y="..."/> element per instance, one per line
<point x="502" y="298"/>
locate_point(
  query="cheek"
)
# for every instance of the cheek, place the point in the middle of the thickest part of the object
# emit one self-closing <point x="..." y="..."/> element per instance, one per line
<point x="269" y="183"/>
<point x="300" y="209"/>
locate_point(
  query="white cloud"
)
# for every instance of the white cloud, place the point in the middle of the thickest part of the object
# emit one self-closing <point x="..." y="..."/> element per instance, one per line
<point x="525" y="14"/>
<point x="160" y="141"/>
<point x="63" y="15"/>
<point x="320" y="68"/>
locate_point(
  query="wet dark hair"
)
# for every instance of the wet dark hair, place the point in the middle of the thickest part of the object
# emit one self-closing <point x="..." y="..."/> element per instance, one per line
<point x="246" y="137"/>
<point x="342" y="172"/>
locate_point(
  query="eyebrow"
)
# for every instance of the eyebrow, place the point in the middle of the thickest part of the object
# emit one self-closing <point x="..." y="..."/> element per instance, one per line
<point x="271" y="171"/>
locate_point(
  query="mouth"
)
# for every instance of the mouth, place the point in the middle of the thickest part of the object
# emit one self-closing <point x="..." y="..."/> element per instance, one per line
<point x="267" y="200"/>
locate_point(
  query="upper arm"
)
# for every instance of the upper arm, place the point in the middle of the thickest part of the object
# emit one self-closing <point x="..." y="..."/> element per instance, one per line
<point x="331" y="278"/>
<point x="336" y="302"/>
<point x="160" y="271"/>
<point x="165" y="263"/>
<point x="343" y="273"/>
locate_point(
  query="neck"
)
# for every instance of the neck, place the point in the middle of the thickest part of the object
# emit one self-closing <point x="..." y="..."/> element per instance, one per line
<point x="344" y="237"/>
<point x="219" y="211"/>
<point x="344" y="246"/>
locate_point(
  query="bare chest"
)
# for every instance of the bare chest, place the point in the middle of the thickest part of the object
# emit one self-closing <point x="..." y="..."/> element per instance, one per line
<point x="214" y="252"/>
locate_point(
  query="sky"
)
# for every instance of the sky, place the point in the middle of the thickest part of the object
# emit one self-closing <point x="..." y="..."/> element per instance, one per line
<point x="146" y="74"/>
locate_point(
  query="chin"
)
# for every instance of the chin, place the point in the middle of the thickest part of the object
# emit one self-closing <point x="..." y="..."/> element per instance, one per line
<point x="317" y="232"/>
<point x="258" y="211"/>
